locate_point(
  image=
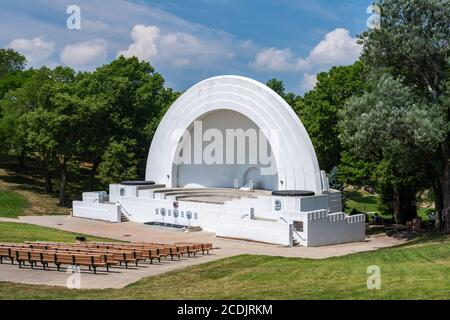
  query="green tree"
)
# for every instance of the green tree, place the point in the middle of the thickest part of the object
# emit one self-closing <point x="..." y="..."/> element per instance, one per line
<point x="291" y="98"/>
<point x="277" y="86"/>
<point x="392" y="125"/>
<point x="127" y="97"/>
<point x="414" y="42"/>
<point x="118" y="162"/>
<point x="319" y="112"/>
<point x="11" y="62"/>
<point x="14" y="107"/>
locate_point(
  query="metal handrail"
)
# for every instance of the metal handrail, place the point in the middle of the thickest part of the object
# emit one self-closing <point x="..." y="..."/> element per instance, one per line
<point x="293" y="229"/>
<point x="122" y="207"/>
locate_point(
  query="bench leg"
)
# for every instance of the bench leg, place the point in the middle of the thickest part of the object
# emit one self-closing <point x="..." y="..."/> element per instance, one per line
<point x="20" y="264"/>
<point x="89" y="268"/>
<point x="12" y="260"/>
<point x="126" y="264"/>
<point x="159" y="259"/>
<point x="58" y="266"/>
<point x="31" y="263"/>
<point x="95" y="269"/>
<point x="137" y="262"/>
<point x="107" y="268"/>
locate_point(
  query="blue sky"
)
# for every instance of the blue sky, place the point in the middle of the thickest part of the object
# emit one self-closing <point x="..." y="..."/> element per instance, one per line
<point x="190" y="40"/>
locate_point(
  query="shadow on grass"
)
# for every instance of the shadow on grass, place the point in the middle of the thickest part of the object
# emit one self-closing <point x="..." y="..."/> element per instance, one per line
<point x="30" y="178"/>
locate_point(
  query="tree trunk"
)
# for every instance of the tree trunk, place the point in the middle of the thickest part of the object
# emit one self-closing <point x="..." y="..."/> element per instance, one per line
<point x="92" y="174"/>
<point x="445" y="183"/>
<point x="63" y="184"/>
<point x="404" y="204"/>
<point x="396" y="205"/>
<point x="48" y="180"/>
<point x="438" y="204"/>
<point x="21" y="158"/>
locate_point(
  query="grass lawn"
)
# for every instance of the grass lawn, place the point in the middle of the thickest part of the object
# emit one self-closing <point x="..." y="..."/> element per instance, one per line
<point x="362" y="201"/>
<point x="12" y="204"/>
<point x="22" y="193"/>
<point x="366" y="202"/>
<point x="20" y="232"/>
<point x="420" y="270"/>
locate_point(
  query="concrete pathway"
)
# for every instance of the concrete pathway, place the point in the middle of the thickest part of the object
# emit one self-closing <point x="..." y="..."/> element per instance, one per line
<point x="130" y="231"/>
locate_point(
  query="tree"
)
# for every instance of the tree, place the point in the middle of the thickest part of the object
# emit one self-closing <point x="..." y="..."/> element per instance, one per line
<point x="14" y="81"/>
<point x="11" y="78"/>
<point x="291" y="98"/>
<point x="319" y="112"/>
<point x="392" y="125"/>
<point x="56" y="125"/>
<point x="11" y="62"/>
<point x="414" y="42"/>
<point x="118" y="162"/>
<point x="14" y="107"/>
<point x="277" y="86"/>
<point x="126" y="98"/>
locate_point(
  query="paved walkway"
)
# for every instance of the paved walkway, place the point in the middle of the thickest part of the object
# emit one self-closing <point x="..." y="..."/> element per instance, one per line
<point x="131" y="231"/>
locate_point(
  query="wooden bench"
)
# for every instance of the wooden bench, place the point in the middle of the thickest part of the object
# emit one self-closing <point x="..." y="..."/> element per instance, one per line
<point x="141" y="252"/>
<point x="148" y="253"/>
<point x="45" y="257"/>
<point x="200" y="247"/>
<point x="118" y="256"/>
<point x="6" y="253"/>
<point x="80" y="259"/>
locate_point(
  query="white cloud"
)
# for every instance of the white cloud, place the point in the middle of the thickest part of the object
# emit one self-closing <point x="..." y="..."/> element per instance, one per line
<point x="338" y="48"/>
<point x="36" y="50"/>
<point x="309" y="81"/>
<point x="144" y="42"/>
<point x="179" y="49"/>
<point x="85" y="54"/>
<point x="273" y="59"/>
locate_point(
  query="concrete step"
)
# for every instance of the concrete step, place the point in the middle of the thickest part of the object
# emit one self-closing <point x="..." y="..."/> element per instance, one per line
<point x="123" y="218"/>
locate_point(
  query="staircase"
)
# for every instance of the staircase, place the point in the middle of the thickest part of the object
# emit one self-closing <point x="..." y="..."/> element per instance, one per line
<point x="123" y="218"/>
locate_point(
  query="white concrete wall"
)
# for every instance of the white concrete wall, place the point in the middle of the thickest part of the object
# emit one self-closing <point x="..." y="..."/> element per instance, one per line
<point x="289" y="218"/>
<point x="335" y="200"/>
<point x="98" y="211"/>
<point x="297" y="164"/>
<point x="327" y="229"/>
<point x="144" y="210"/>
<point x="94" y="196"/>
<point x="313" y="203"/>
<point x="222" y="175"/>
<point x="319" y="227"/>
<point x="265" y="231"/>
